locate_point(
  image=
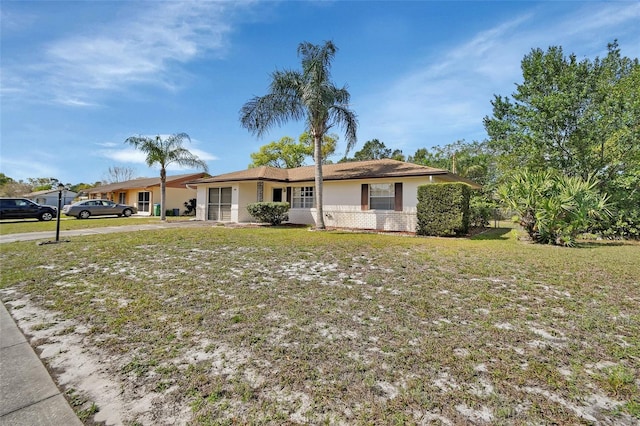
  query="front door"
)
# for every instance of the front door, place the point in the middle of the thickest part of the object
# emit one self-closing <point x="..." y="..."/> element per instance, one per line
<point x="144" y="199"/>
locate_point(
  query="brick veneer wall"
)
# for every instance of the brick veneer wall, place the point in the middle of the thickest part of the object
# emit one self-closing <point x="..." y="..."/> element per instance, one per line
<point x="367" y="219"/>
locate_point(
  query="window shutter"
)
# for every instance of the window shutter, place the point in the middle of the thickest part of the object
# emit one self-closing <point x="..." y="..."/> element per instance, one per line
<point x="289" y="195"/>
<point x="398" y="193"/>
<point x="364" y="197"/>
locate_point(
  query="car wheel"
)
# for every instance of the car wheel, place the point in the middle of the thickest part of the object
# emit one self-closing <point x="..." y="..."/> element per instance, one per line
<point x="127" y="212"/>
<point x="84" y="214"/>
<point x="46" y="216"/>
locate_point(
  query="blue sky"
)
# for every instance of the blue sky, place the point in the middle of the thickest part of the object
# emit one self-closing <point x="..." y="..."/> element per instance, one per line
<point x="78" y="78"/>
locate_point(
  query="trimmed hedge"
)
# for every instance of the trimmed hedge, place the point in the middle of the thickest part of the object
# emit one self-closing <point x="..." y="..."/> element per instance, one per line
<point x="443" y="209"/>
<point x="273" y="213"/>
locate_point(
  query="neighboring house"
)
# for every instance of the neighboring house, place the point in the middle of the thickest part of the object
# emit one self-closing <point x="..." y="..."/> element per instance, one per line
<point x="377" y="194"/>
<point x="49" y="197"/>
<point x="143" y="193"/>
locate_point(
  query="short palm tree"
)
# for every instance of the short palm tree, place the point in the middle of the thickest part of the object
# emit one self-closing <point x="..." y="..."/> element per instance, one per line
<point x="310" y="95"/>
<point x="165" y="152"/>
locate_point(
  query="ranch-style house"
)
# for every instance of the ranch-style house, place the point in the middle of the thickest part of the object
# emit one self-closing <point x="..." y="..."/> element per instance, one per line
<point x="376" y="194"/>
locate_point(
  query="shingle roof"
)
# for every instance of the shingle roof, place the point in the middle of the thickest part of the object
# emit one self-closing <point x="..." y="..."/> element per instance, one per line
<point x="176" y="180"/>
<point x="340" y="171"/>
<point x="257" y="173"/>
<point x="363" y="170"/>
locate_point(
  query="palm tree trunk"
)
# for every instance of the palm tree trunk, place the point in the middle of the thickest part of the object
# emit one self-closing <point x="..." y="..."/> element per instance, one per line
<point x="317" y="157"/>
<point x="163" y="190"/>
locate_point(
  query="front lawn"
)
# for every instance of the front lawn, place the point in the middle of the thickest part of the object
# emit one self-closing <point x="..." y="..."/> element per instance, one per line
<point x="283" y="325"/>
<point x="68" y="223"/>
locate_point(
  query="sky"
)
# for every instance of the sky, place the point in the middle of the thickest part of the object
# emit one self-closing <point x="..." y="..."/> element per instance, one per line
<point x="77" y="78"/>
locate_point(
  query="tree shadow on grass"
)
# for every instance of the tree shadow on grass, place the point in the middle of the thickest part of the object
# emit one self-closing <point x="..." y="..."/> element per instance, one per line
<point x="493" y="234"/>
<point x="602" y="243"/>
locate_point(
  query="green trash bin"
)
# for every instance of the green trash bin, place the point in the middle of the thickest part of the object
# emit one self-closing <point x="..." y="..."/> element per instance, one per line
<point x="156" y="209"/>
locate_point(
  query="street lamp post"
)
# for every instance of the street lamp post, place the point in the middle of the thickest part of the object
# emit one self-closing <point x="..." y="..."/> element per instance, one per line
<point x="60" y="189"/>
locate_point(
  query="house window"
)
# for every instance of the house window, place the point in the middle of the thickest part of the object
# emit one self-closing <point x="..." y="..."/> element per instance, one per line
<point x="277" y="195"/>
<point x="122" y="198"/>
<point x="302" y="197"/>
<point x="219" y="207"/>
<point x="381" y="196"/>
<point x="144" y="198"/>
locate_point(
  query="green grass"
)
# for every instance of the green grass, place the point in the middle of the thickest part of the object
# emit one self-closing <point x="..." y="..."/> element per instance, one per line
<point x="69" y="223"/>
<point x="339" y="327"/>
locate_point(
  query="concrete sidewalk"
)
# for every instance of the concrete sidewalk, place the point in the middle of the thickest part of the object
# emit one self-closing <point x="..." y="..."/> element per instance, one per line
<point x="28" y="395"/>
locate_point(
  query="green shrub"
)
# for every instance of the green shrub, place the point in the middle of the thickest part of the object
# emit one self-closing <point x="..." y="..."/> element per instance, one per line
<point x="481" y="210"/>
<point x="622" y="224"/>
<point x="553" y="208"/>
<point x="273" y="213"/>
<point x="443" y="209"/>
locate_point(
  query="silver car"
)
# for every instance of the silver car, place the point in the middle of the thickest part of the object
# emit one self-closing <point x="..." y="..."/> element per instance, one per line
<point x="87" y="208"/>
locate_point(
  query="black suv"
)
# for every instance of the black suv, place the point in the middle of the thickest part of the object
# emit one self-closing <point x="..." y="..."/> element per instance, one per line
<point x="21" y="208"/>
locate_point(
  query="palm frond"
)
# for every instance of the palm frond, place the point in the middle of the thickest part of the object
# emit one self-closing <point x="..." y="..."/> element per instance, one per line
<point x="165" y="151"/>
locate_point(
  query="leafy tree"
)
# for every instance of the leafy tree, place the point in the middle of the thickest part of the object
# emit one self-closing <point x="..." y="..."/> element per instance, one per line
<point x="579" y="117"/>
<point x="470" y="160"/>
<point x="553" y="208"/>
<point x="329" y="144"/>
<point x="119" y="174"/>
<point x="372" y="150"/>
<point x="286" y="153"/>
<point x="4" y="179"/>
<point x="375" y="150"/>
<point x="310" y="95"/>
<point x="79" y="187"/>
<point x="42" y="184"/>
<point x="15" y="189"/>
<point x="398" y="155"/>
<point x="165" y="152"/>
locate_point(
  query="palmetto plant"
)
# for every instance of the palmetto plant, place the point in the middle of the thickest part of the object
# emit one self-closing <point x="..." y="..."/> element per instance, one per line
<point x="310" y="95"/>
<point x="163" y="152"/>
<point x="553" y="208"/>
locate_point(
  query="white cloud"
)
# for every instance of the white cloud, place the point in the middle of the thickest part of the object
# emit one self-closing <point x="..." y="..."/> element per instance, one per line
<point x="132" y="155"/>
<point x="23" y="169"/>
<point x="124" y="155"/>
<point x="611" y="16"/>
<point x="447" y="99"/>
<point x="108" y="144"/>
<point x="203" y="155"/>
<point x="147" y="46"/>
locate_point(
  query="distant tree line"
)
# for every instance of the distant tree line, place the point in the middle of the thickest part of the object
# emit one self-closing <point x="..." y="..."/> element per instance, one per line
<point x="10" y="187"/>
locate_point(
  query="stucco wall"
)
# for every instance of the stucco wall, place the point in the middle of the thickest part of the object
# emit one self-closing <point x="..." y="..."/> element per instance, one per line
<point x="175" y="198"/>
<point x="247" y="195"/>
<point x="341" y="204"/>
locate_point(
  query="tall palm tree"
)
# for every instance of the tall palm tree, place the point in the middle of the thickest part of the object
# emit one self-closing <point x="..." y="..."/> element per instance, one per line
<point x="308" y="95"/>
<point x="165" y="152"/>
